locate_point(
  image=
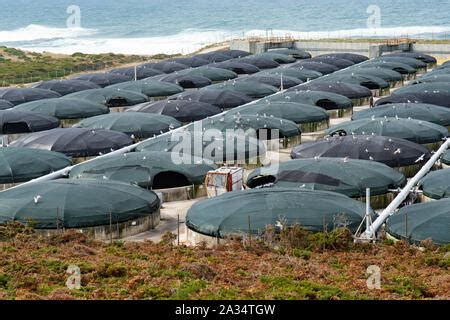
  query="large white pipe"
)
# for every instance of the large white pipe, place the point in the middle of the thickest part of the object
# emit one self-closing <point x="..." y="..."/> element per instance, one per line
<point x="406" y="190"/>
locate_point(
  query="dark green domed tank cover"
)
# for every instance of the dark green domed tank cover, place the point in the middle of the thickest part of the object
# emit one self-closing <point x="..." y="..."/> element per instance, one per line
<point x="140" y="125"/>
<point x="250" y="88"/>
<point x="79" y="203"/>
<point x="326" y="100"/>
<point x="150" y="88"/>
<point x="436" y="184"/>
<point x="295" y="112"/>
<point x="237" y="121"/>
<point x="413" y="130"/>
<point x="110" y="97"/>
<point x="419" y="111"/>
<point x="23" y="164"/>
<point x="231" y="212"/>
<point x="347" y="176"/>
<point x="64" y="108"/>
<point x="418" y="222"/>
<point x="141" y="167"/>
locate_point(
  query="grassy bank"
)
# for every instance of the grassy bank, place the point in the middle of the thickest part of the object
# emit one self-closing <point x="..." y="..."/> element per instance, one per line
<point x="324" y="267"/>
<point x="21" y="67"/>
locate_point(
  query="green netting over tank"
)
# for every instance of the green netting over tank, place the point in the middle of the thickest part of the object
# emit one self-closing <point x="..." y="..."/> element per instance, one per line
<point x="69" y="203"/>
<point x="414" y="63"/>
<point x="436" y="184"/>
<point x="301" y="74"/>
<point x="212" y="73"/>
<point x="278" y="57"/>
<point x="295" y="53"/>
<point x="326" y="100"/>
<point x="418" y="222"/>
<point x="246" y="122"/>
<point x="418" y="131"/>
<point x="252" y="89"/>
<point x="150" y="88"/>
<point x="110" y="97"/>
<point x="446" y="158"/>
<point x="138" y="124"/>
<point x="347" y="176"/>
<point x="367" y="80"/>
<point x="64" y="108"/>
<point x="383" y="73"/>
<point x="241" y="212"/>
<point x="430" y="88"/>
<point x="295" y="112"/>
<point x="23" y="164"/>
<point x="419" y="111"/>
<point x="141" y="168"/>
<point x="217" y="148"/>
<point x="399" y="67"/>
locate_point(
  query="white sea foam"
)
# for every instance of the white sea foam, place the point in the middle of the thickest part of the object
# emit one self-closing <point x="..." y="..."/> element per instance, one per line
<point x="63" y="40"/>
<point x="34" y="32"/>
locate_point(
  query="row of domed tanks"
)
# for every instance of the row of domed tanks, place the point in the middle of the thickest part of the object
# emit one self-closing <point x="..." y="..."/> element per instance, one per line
<point x="59" y="123"/>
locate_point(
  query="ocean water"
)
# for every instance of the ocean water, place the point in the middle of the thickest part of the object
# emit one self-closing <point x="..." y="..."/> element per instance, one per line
<point x="183" y="26"/>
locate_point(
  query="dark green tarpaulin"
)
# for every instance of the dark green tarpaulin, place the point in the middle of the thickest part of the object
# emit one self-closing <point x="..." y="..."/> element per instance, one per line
<point x="140" y="72"/>
<point x="64" y="108"/>
<point x="347" y="176"/>
<point x="69" y="203"/>
<point x="383" y="73"/>
<point x="110" y="97"/>
<point x="103" y="79"/>
<point x="141" y="168"/>
<point x="5" y="104"/>
<point x="64" y="87"/>
<point x="295" y="112"/>
<point x="446" y="158"/>
<point x="393" y="152"/>
<point x="295" y="53"/>
<point x="136" y="124"/>
<point x="182" y="110"/>
<point x="14" y="121"/>
<point x="281" y="58"/>
<point x="301" y="74"/>
<point x="367" y="80"/>
<point x="416" y="64"/>
<point x="225" y="99"/>
<point x="398" y="67"/>
<point x="252" y="89"/>
<point x="150" y="88"/>
<point x="23" y="164"/>
<point x="221" y="148"/>
<point x="418" y="131"/>
<point x="430" y="88"/>
<point x="436" y="184"/>
<point x="21" y="95"/>
<point x="326" y="100"/>
<point x="233" y="212"/>
<point x="419" y="222"/>
<point x="419" y="111"/>
<point x="245" y="122"/>
<point x="75" y="142"/>
<point x="212" y="73"/>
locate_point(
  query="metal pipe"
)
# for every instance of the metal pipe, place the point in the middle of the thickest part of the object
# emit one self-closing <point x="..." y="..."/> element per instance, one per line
<point x="405" y="192"/>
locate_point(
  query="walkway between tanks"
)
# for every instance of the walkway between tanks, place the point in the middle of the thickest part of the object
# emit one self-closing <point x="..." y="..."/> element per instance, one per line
<point x="168" y="223"/>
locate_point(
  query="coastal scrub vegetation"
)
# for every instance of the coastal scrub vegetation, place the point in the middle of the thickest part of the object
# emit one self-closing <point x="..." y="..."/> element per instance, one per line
<point x="22" y="67"/>
<point x="296" y="265"/>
